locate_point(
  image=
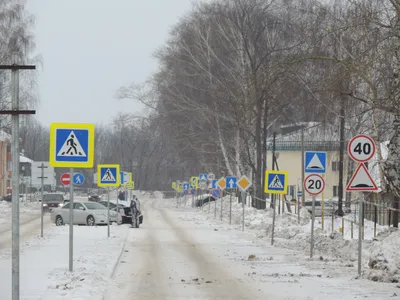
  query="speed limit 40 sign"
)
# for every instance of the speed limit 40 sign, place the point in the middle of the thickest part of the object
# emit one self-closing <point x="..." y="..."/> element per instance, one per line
<point x="361" y="148"/>
<point x="314" y="184"/>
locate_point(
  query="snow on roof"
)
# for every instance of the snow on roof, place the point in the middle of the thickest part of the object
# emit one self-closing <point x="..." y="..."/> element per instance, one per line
<point x="313" y="131"/>
<point x="373" y="164"/>
<point x="24" y="159"/>
<point x="4" y="136"/>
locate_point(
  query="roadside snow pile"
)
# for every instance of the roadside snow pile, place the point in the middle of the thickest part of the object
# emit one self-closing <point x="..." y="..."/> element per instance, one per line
<point x="380" y="258"/>
<point x="384" y="262"/>
<point x="158" y="194"/>
<point x="95" y="257"/>
<point x="27" y="209"/>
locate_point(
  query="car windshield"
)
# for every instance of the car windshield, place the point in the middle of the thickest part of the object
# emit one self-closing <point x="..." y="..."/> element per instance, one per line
<point x="112" y="205"/>
<point x="94" y="205"/>
<point x="53" y="197"/>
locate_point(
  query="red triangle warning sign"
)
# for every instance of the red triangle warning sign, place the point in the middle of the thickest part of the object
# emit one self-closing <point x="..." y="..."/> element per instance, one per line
<point x="361" y="180"/>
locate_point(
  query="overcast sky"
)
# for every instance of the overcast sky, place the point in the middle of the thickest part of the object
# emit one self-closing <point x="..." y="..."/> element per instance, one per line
<point x="90" y="48"/>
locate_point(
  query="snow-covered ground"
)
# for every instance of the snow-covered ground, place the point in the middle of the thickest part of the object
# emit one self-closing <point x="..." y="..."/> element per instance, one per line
<point x="181" y="253"/>
<point x="28" y="211"/>
<point x="44" y="263"/>
<point x="380" y="260"/>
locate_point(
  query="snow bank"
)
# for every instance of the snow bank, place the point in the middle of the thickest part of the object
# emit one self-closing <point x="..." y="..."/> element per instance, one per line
<point x="28" y="210"/>
<point x="380" y="257"/>
<point x="384" y="262"/>
<point x="44" y="263"/>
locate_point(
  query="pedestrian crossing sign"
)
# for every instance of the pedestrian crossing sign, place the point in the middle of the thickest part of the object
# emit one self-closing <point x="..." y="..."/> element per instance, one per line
<point x="108" y="175"/>
<point x="276" y="182"/>
<point x="71" y="145"/>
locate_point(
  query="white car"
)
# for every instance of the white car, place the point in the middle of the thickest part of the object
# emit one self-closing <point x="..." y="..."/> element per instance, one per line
<point x="85" y="213"/>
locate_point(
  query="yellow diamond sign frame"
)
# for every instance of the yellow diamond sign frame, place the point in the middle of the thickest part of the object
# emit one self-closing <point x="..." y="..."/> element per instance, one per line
<point x="221" y="183"/>
<point x="130" y="185"/>
<point x="244" y="183"/>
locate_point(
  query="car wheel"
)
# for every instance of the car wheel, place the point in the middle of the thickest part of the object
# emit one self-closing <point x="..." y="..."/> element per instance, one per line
<point x="59" y="221"/>
<point x="90" y="221"/>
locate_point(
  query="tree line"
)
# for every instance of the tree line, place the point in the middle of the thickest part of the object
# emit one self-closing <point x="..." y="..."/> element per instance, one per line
<point x="234" y="71"/>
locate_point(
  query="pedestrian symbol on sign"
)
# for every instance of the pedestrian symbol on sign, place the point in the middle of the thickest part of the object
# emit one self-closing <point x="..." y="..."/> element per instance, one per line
<point x="276" y="183"/>
<point x="108" y="176"/>
<point x="71" y="147"/>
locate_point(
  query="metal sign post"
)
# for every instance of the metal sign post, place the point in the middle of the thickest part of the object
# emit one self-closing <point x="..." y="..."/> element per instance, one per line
<point x="222" y="200"/>
<point x="361" y="149"/>
<point x="42" y="177"/>
<point x="314" y="184"/>
<point x="312" y="227"/>
<point x="71" y="146"/>
<point x="244" y="198"/>
<point x="117" y="206"/>
<point x="360" y="223"/>
<point x="230" y="208"/>
<point x="71" y="222"/>
<point x="108" y="212"/>
<point x="273" y="198"/>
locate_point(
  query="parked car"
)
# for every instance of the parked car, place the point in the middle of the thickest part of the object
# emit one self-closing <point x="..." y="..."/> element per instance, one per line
<point x="84" y="213"/>
<point x="201" y="202"/>
<point x="113" y="206"/>
<point x="126" y="215"/>
<point x="51" y="201"/>
<point x="8" y="197"/>
<point x="94" y="198"/>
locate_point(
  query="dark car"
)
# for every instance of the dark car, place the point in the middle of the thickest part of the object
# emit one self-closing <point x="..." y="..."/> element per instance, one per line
<point x="127" y="216"/>
<point x="94" y="198"/>
<point x="51" y="201"/>
<point x="113" y="206"/>
<point x="201" y="202"/>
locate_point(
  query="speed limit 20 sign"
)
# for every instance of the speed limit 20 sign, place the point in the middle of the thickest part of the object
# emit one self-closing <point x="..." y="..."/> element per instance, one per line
<point x="314" y="184"/>
<point x="361" y="148"/>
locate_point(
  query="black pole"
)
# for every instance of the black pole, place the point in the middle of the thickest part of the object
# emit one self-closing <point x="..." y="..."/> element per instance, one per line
<point x="273" y="165"/>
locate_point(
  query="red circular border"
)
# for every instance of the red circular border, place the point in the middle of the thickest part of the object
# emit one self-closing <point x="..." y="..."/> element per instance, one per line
<point x="67" y="175"/>
<point x="361" y="136"/>
<point x="212" y="193"/>
<point x="305" y="186"/>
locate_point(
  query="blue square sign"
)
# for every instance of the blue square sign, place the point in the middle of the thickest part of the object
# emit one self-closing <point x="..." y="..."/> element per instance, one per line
<point x="108" y="175"/>
<point x="231" y="182"/>
<point x="315" y="162"/>
<point x="72" y="145"/>
<point x="214" y="184"/>
<point x="276" y="182"/>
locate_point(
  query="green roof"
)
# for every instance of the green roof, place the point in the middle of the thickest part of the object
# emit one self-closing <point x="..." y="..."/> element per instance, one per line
<point x="308" y="146"/>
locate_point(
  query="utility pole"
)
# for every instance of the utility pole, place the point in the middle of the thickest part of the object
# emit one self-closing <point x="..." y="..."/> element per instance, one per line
<point x="341" y="155"/>
<point x="273" y="197"/>
<point x="15" y="112"/>
<point x="303" y="194"/>
<point x="42" y="177"/>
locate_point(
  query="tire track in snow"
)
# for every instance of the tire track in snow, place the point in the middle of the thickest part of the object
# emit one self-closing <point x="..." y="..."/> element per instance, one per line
<point x="220" y="284"/>
<point x="28" y="228"/>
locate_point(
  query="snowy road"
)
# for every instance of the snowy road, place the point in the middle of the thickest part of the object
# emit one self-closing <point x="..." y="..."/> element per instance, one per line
<point x="178" y="254"/>
<point x="29" y="226"/>
<point x="163" y="261"/>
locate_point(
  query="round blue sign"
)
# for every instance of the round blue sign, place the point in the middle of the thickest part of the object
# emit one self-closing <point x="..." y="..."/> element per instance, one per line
<point x="79" y="178"/>
<point x="193" y="191"/>
<point x="185" y="192"/>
